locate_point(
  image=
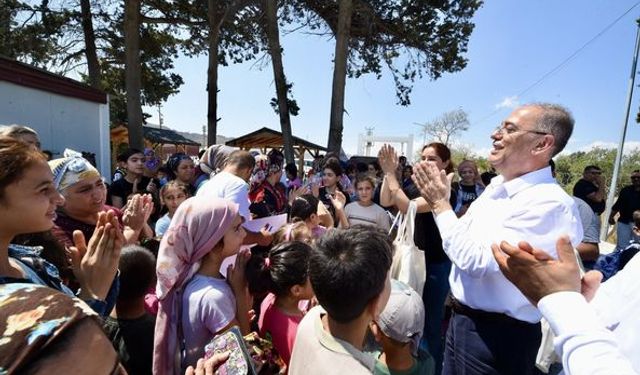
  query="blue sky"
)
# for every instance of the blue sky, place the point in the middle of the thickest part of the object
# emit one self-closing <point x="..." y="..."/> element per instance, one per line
<point x="513" y="45"/>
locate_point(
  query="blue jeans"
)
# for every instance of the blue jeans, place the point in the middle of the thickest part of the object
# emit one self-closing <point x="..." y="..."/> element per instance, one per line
<point x="434" y="294"/>
<point x="624" y="235"/>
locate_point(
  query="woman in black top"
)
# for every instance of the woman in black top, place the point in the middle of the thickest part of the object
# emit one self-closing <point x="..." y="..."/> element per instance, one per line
<point x="426" y="237"/>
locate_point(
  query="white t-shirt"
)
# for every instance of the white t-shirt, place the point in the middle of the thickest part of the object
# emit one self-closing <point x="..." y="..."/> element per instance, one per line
<point x="369" y="215"/>
<point x="316" y="352"/>
<point x="208" y="305"/>
<point x="230" y="187"/>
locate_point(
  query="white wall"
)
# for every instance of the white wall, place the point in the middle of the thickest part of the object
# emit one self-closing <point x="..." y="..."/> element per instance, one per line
<point x="61" y="121"/>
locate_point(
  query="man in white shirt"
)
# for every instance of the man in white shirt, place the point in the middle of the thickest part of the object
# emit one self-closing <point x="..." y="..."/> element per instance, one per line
<point x="232" y="184"/>
<point x="599" y="337"/>
<point x="494" y="328"/>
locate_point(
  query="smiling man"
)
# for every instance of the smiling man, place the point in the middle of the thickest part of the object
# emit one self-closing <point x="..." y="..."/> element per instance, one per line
<point x="494" y="328"/>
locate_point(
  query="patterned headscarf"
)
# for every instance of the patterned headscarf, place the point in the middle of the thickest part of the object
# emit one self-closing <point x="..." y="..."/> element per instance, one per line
<point x="31" y="318"/>
<point x="215" y="158"/>
<point x="196" y="227"/>
<point x="174" y="162"/>
<point x="71" y="169"/>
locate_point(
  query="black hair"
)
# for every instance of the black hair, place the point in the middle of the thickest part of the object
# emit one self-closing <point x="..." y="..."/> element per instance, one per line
<point x="303" y="207"/>
<point x="137" y="272"/>
<point x="333" y="164"/>
<point x="592" y="168"/>
<point x="348" y="269"/>
<point x="126" y="154"/>
<point x="287" y="265"/>
<point x="291" y="169"/>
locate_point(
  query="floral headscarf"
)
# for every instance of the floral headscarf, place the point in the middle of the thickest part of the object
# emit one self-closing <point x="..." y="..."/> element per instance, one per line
<point x="31" y="318"/>
<point x="196" y="227"/>
<point x="71" y="169"/>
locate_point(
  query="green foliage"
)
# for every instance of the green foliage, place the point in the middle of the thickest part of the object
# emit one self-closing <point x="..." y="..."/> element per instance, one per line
<point x="569" y="168"/>
<point x="412" y="39"/>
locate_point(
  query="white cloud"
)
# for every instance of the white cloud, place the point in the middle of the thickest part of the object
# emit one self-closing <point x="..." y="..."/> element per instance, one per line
<point x="508" y="102"/>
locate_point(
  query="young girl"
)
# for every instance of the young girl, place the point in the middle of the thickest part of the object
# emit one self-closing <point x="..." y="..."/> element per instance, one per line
<point x="284" y="274"/>
<point x="172" y="194"/>
<point x="365" y="211"/>
<point x="469" y="188"/>
<point x="297" y="231"/>
<point x="305" y="208"/>
<point x="196" y="301"/>
<point x="332" y="194"/>
<point x="28" y="203"/>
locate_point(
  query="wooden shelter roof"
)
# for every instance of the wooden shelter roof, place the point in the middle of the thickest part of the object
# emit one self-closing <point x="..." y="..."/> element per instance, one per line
<point x="269" y="138"/>
<point x="158" y="136"/>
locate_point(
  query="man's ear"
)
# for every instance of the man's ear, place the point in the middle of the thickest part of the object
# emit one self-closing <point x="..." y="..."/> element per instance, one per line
<point x="375" y="330"/>
<point x="546" y="143"/>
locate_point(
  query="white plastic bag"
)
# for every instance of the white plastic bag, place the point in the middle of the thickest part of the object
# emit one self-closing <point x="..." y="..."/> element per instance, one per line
<point x="408" y="263"/>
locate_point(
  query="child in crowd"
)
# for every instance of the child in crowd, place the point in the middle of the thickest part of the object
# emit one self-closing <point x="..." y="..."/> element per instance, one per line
<point x="196" y="301"/>
<point x="305" y="208"/>
<point x="297" y="231"/>
<point x="365" y="211"/>
<point x="134" y="180"/>
<point x="284" y="274"/>
<point x="469" y="188"/>
<point x="349" y="271"/>
<point x="172" y="194"/>
<point x="399" y="330"/>
<point x="130" y="328"/>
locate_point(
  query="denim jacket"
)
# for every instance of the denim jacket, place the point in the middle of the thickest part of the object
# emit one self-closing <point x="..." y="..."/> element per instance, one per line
<point x="39" y="271"/>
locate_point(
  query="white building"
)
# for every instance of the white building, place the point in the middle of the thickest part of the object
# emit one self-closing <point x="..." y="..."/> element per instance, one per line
<point x="64" y="112"/>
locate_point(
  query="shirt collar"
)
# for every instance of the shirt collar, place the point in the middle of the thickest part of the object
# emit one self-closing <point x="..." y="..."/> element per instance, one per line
<point x="518" y="184"/>
<point x="340" y="346"/>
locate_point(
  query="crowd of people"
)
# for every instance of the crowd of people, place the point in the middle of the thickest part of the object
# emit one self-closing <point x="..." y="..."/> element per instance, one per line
<point x="149" y="270"/>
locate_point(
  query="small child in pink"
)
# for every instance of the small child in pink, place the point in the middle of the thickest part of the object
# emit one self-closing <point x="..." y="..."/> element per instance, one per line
<point x="284" y="273"/>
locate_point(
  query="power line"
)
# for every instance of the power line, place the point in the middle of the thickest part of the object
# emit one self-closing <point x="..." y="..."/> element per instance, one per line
<point x="565" y="61"/>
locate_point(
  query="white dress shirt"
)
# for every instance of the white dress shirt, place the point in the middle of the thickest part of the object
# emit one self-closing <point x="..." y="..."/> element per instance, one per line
<point x="600" y="337"/>
<point x="531" y="208"/>
<point x="230" y="187"/>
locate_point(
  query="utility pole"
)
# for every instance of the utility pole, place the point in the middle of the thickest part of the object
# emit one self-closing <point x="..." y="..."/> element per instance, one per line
<point x="623" y="134"/>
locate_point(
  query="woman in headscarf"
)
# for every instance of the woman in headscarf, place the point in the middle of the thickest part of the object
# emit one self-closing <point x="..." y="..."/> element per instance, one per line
<point x="212" y="161"/>
<point x="28" y="203"/>
<point x="195" y="300"/>
<point x="46" y="331"/>
<point x="85" y="195"/>
<point x="268" y="194"/>
<point x="151" y="163"/>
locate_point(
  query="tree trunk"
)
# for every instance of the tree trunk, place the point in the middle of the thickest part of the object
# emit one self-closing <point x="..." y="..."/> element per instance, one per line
<point x="90" y="44"/>
<point x="212" y="73"/>
<point x="339" y="76"/>
<point x="133" y="72"/>
<point x="275" y="50"/>
<point x="6" y="16"/>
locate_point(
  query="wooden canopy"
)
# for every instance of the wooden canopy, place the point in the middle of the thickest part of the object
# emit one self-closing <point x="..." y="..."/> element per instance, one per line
<point x="265" y="138"/>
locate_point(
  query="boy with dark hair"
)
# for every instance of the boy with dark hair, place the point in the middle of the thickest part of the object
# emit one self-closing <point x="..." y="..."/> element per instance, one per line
<point x="130" y="328"/>
<point x="349" y="272"/>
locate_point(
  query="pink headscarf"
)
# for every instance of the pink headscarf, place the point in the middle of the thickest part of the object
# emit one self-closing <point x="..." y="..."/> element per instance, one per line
<point x="196" y="227"/>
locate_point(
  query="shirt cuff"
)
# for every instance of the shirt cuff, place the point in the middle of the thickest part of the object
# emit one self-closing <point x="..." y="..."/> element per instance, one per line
<point x="445" y="221"/>
<point x="568" y="313"/>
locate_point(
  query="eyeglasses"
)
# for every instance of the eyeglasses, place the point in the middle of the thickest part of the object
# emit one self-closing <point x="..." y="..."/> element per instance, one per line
<point x="509" y="128"/>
